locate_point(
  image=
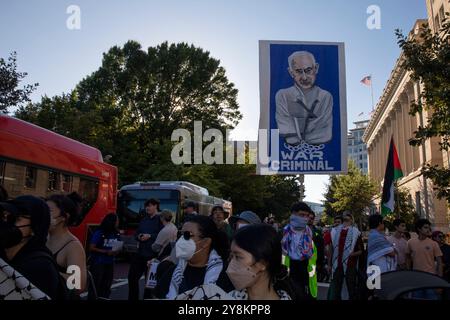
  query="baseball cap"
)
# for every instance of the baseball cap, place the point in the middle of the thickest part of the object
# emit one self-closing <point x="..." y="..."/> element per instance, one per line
<point x="248" y="216"/>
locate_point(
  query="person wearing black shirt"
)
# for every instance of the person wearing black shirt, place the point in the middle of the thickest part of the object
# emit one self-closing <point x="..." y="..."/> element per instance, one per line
<point x="439" y="237"/>
<point x="24" y="224"/>
<point x="145" y="234"/>
<point x="190" y="211"/>
<point x="319" y="243"/>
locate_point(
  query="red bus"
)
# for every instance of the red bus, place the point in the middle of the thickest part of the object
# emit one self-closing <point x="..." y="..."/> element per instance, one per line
<point x="37" y="161"/>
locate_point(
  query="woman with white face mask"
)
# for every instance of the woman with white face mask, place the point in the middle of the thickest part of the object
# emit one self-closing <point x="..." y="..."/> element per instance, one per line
<point x="201" y="258"/>
<point x="255" y="267"/>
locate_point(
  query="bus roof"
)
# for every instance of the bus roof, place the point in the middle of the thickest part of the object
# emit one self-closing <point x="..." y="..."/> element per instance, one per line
<point x="167" y="185"/>
<point x="40" y="135"/>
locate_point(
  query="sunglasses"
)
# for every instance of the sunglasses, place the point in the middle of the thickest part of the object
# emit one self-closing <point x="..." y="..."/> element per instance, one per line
<point x="185" y="234"/>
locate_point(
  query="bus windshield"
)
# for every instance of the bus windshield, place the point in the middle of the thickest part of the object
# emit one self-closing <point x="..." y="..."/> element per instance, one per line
<point x="131" y="203"/>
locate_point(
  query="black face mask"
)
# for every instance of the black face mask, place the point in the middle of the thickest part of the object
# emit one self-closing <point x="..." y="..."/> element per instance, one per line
<point x="10" y="234"/>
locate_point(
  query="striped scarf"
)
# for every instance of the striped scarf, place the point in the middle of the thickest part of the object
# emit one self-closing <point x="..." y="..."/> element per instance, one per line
<point x="350" y="243"/>
<point x="377" y="247"/>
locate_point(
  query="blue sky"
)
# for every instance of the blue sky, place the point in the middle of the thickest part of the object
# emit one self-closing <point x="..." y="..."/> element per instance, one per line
<point x="58" y="58"/>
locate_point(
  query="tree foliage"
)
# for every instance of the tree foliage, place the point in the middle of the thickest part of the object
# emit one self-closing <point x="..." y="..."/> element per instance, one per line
<point x="427" y="57"/>
<point x="403" y="209"/>
<point x="130" y="106"/>
<point x="10" y="93"/>
<point x="354" y="192"/>
<point x="330" y="199"/>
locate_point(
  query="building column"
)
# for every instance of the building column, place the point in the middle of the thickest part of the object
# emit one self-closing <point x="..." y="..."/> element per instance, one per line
<point x="414" y="120"/>
<point x="406" y="129"/>
<point x="376" y="160"/>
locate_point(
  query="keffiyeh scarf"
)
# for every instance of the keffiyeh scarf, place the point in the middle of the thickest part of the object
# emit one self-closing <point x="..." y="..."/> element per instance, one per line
<point x="14" y="286"/>
<point x="350" y="243"/>
<point x="213" y="269"/>
<point x="377" y="247"/>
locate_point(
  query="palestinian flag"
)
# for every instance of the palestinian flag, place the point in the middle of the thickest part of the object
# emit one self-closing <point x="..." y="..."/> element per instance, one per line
<point x="393" y="172"/>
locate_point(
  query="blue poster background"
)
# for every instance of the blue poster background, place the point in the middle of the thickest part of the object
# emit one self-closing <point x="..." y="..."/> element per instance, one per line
<point x="327" y="78"/>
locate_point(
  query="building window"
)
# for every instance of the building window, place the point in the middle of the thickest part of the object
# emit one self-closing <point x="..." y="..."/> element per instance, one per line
<point x="418" y="204"/>
<point x="30" y="177"/>
<point x="88" y="190"/>
<point x="53" y="180"/>
<point x="360" y="166"/>
<point x="360" y="157"/>
<point x="66" y="183"/>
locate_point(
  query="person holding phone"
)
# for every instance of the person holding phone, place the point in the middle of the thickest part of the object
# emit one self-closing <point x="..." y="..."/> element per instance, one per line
<point x="103" y="249"/>
<point x="146" y="234"/>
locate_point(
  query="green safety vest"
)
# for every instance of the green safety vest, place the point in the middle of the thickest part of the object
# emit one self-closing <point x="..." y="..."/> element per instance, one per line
<point x="311" y="271"/>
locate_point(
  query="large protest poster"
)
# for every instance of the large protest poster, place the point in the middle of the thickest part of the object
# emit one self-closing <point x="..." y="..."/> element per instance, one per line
<point x="303" y="119"/>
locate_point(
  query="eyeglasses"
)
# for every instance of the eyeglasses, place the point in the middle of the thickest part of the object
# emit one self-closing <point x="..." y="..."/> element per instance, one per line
<point x="308" y="71"/>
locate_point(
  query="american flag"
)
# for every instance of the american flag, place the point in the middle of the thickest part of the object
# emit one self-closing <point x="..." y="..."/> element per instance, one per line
<point x="367" y="80"/>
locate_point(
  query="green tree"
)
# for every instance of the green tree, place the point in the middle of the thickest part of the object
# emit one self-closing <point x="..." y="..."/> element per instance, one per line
<point x="130" y="106"/>
<point x="354" y="192"/>
<point x="330" y="198"/>
<point x="403" y="209"/>
<point x="240" y="185"/>
<point x="427" y="57"/>
<point x="285" y="191"/>
<point x="10" y="93"/>
<point x="326" y="220"/>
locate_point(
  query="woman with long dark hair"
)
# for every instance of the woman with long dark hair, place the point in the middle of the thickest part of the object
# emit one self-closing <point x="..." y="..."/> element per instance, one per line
<point x="65" y="247"/>
<point x="255" y="267"/>
<point x="103" y="247"/>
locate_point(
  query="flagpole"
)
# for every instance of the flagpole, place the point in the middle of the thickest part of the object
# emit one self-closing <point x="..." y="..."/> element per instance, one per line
<point x="371" y="90"/>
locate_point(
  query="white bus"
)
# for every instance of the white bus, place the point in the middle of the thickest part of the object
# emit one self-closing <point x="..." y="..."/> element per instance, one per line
<point x="172" y="196"/>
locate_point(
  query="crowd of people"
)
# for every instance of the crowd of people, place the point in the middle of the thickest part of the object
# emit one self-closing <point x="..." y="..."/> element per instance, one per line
<point x="227" y="257"/>
<point x="41" y="259"/>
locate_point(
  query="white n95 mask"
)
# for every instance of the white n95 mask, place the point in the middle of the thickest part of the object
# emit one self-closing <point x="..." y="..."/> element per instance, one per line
<point x="184" y="249"/>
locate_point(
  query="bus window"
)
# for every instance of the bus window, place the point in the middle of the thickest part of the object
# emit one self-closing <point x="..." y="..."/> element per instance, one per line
<point x="131" y="203"/>
<point x="2" y="172"/>
<point x="66" y="183"/>
<point x="30" y="177"/>
<point x="53" y="181"/>
<point x="88" y="190"/>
